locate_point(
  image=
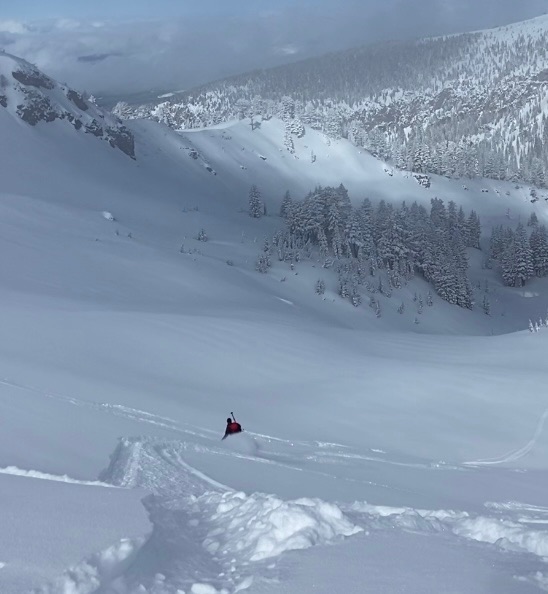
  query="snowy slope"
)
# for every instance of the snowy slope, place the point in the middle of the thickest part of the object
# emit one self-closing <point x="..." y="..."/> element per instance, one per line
<point x="362" y="435"/>
<point x="49" y="523"/>
<point x="33" y="97"/>
<point x="480" y="93"/>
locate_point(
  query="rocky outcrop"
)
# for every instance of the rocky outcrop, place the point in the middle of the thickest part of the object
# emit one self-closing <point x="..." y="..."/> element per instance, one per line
<point x="37" y="99"/>
<point x="123" y="139"/>
<point x="77" y="99"/>
<point x="36" y="108"/>
<point x="33" y="78"/>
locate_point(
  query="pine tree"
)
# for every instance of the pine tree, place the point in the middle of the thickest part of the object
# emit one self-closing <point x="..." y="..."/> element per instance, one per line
<point x="533" y="220"/>
<point x="255" y="204"/>
<point x="288" y="109"/>
<point x="538" y="242"/>
<point x="474" y="230"/>
<point x="496" y="243"/>
<point x="334" y="228"/>
<point x="287" y="203"/>
<point x="288" y="140"/>
<point x="366" y="232"/>
<point x="262" y="263"/>
<point x="353" y="235"/>
<point x="524" y="259"/>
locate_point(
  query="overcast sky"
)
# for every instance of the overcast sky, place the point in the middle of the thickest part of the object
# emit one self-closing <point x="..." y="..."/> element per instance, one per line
<point x="129" y="46"/>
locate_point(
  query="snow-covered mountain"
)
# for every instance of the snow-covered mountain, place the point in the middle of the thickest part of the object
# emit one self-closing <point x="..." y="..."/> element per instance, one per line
<point x="415" y="450"/>
<point x="34" y="97"/>
<point x="461" y="105"/>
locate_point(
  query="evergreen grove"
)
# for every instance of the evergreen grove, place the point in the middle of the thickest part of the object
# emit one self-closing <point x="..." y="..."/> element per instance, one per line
<point x="402" y="241"/>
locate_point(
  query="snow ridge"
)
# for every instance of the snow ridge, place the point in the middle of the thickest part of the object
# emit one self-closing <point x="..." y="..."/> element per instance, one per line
<point x="208" y="543"/>
<point x="14" y="470"/>
<point x="208" y="539"/>
<point x="510" y="534"/>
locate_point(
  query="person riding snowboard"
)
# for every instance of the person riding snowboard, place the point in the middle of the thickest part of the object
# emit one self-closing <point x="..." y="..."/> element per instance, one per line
<point x="232" y="426"/>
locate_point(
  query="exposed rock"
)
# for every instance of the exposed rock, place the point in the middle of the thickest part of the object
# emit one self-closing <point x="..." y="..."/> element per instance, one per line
<point x="77" y="99"/>
<point x="37" y="108"/>
<point x="123" y="139"/>
<point x="37" y="98"/>
<point x="94" y="128"/>
<point x="33" y="79"/>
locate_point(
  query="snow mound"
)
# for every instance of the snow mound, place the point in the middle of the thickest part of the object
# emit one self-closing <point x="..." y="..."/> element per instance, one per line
<point x="205" y="545"/>
<point x="158" y="466"/>
<point x="108" y="215"/>
<point x="102" y="568"/>
<point x="205" y="537"/>
<point x="260" y="526"/>
<point x="505" y="534"/>
<point x="510" y="535"/>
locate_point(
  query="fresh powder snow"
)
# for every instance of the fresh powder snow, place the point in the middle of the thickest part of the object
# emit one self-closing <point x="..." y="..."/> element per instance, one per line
<point x="378" y="454"/>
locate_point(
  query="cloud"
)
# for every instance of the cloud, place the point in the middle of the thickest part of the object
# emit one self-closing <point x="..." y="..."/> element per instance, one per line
<point x="125" y="57"/>
<point x="14" y="27"/>
<point x="287" y="50"/>
<point x="67" y="24"/>
<point x="97" y="57"/>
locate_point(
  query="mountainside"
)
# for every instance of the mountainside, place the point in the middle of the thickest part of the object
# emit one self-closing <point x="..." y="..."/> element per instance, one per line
<point x="464" y="105"/>
<point x="28" y="94"/>
<point x="144" y="300"/>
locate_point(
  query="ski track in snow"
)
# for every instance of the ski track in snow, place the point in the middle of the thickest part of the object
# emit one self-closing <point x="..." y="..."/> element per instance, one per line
<point x="188" y="507"/>
<point x="316" y="451"/>
<point x="517" y="454"/>
<point x="207" y="537"/>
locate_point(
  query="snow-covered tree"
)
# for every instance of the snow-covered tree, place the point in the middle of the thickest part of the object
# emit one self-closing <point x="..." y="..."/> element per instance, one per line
<point x="286" y="206"/>
<point x="538" y="242"/>
<point x="255" y="203"/>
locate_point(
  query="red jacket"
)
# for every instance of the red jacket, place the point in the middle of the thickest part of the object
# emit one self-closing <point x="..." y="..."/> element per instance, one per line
<point x="233" y="428"/>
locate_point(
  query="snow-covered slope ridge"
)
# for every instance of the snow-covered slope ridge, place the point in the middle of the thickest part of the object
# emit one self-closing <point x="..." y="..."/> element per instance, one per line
<point x="485" y="90"/>
<point x="30" y="95"/>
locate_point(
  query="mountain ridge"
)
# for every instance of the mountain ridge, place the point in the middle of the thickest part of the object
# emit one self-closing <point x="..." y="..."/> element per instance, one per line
<point x="33" y="97"/>
<point x="481" y="93"/>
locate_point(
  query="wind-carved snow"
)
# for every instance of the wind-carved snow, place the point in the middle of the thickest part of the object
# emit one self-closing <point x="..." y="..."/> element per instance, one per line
<point x="14" y="470"/>
<point x="511" y="534"/>
<point x="205" y="537"/>
<point x="102" y="568"/>
<point x="261" y="526"/>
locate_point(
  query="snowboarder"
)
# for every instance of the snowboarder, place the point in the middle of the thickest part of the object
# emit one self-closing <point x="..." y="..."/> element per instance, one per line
<point x="232" y="426"/>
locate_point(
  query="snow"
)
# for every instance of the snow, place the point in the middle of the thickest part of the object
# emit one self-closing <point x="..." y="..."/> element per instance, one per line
<point x="376" y="456"/>
<point x="48" y="526"/>
<point x="108" y="216"/>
